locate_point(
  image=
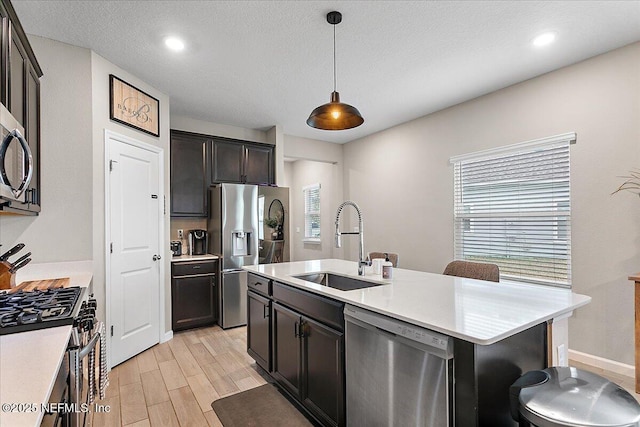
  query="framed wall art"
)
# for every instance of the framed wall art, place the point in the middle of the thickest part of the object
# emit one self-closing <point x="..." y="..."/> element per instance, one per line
<point x="132" y="107"/>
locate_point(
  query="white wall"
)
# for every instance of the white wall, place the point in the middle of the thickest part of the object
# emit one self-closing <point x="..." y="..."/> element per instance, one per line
<point x="402" y="180"/>
<point x="63" y="231"/>
<point x="329" y="176"/>
<point x="276" y="137"/>
<point x="287" y="174"/>
<point x="75" y="113"/>
<point x="315" y="162"/>
<point x="188" y="124"/>
<point x="100" y="70"/>
<point x="296" y="147"/>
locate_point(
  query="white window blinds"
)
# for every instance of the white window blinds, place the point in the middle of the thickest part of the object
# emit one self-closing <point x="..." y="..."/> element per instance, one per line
<point x="311" y="195"/>
<point x="512" y="207"/>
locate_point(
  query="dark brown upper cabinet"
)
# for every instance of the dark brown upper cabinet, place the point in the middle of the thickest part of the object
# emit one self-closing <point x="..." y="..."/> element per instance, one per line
<point x="32" y="130"/>
<point x="227" y="158"/>
<point x="241" y="162"/>
<point x="4" y="50"/>
<point x="198" y="161"/>
<point x="258" y="164"/>
<point x="188" y="175"/>
<point x="20" y="92"/>
<point x="18" y="65"/>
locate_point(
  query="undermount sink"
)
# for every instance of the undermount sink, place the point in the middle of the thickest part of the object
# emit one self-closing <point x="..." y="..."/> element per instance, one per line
<point x="335" y="281"/>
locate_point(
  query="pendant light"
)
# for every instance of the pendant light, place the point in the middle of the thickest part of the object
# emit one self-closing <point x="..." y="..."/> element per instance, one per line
<point x="335" y="115"/>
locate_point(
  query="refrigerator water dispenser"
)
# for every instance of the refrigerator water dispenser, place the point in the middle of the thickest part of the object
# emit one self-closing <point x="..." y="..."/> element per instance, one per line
<point x="240" y="242"/>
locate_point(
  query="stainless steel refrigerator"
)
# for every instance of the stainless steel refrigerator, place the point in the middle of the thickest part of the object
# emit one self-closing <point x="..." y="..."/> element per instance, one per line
<point x="233" y="234"/>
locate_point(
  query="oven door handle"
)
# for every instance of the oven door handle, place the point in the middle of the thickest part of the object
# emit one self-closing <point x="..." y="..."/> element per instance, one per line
<point x="90" y="345"/>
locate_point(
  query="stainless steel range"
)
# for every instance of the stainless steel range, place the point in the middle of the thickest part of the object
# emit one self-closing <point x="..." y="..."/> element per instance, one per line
<point x="82" y="377"/>
<point x="26" y="311"/>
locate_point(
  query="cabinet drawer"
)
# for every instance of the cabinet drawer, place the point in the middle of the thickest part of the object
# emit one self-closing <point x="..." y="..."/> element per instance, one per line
<point x="316" y="307"/>
<point x="259" y="284"/>
<point x="192" y="268"/>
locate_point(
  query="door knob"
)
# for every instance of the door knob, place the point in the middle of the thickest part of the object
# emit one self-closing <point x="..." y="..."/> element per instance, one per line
<point x="156" y="257"/>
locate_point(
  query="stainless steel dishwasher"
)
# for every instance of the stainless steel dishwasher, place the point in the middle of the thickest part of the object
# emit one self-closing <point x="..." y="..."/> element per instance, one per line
<point x="398" y="374"/>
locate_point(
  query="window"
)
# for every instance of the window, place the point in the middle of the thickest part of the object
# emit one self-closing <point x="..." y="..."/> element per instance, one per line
<point x="311" y="213"/>
<point x="512" y="207"/>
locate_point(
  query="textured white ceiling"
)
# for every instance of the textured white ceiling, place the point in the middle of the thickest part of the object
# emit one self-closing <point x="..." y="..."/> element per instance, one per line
<point x="259" y="63"/>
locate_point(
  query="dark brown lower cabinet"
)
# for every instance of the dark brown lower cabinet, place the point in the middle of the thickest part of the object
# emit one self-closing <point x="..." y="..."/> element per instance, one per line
<point x="308" y="361"/>
<point x="323" y="371"/>
<point x="259" y="329"/>
<point x="286" y="348"/>
<point x="193" y="296"/>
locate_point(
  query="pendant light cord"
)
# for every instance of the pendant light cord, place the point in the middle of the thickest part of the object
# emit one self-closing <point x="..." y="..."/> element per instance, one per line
<point x="334" y="57"/>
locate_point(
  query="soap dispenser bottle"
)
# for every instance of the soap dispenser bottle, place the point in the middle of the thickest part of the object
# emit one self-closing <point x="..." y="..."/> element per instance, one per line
<point x="387" y="268"/>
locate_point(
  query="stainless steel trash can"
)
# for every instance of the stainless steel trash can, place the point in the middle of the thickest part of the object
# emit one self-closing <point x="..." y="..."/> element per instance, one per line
<point x="571" y="397"/>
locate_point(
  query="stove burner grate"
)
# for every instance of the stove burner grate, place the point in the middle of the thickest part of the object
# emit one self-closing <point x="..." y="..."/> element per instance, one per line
<point x="29" y="310"/>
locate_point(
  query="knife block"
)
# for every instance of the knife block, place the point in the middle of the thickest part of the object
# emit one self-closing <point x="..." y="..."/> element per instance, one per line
<point x="7" y="278"/>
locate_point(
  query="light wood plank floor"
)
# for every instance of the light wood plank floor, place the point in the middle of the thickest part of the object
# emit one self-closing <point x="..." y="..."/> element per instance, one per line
<point x="174" y="383"/>
<point x="628" y="383"/>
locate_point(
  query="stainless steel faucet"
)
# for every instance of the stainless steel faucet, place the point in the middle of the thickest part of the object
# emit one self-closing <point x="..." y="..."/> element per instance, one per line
<point x="361" y="261"/>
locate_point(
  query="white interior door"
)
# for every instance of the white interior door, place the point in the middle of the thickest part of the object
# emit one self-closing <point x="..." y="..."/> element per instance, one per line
<point x="134" y="215"/>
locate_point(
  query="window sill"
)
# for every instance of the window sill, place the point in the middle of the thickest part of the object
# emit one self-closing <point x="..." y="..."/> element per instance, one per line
<point x="311" y="240"/>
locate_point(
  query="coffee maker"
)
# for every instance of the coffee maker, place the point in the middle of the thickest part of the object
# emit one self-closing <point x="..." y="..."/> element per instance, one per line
<point x="197" y="242"/>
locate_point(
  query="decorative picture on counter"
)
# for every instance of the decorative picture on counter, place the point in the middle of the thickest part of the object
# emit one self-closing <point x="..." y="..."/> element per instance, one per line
<point x="132" y="107"/>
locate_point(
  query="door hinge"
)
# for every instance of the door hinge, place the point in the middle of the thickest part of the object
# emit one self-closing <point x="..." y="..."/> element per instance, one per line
<point x="111" y="247"/>
<point x="111" y="330"/>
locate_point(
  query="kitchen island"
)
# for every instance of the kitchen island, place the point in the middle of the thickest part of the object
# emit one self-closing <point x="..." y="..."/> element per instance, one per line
<point x="499" y="330"/>
<point x="473" y="310"/>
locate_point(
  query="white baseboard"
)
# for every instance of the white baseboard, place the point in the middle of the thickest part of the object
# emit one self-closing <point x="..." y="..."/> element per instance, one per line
<point x="167" y="336"/>
<point x="601" y="362"/>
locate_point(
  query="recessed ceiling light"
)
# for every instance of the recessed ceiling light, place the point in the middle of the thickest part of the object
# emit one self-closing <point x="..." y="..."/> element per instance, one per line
<point x="544" y="39"/>
<point x="174" y="43"/>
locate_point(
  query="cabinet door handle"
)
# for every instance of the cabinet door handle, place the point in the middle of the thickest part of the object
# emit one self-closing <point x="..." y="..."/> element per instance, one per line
<point x="265" y="311"/>
<point x="302" y="329"/>
<point x="296" y="330"/>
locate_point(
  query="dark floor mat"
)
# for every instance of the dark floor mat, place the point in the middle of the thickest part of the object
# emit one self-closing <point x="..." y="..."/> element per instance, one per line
<point x="261" y="406"/>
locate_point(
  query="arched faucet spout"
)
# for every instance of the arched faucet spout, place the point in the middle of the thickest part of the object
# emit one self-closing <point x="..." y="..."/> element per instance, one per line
<point x="361" y="261"/>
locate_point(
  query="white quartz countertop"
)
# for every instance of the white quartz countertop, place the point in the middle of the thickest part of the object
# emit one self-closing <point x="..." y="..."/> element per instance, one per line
<point x="473" y="310"/>
<point x="204" y="257"/>
<point x="29" y="361"/>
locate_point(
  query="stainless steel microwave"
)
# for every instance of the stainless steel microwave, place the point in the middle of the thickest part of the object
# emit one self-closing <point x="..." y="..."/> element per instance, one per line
<point x="16" y="162"/>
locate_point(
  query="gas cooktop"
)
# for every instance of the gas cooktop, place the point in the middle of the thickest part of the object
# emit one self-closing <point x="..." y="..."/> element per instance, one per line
<point x="26" y="311"/>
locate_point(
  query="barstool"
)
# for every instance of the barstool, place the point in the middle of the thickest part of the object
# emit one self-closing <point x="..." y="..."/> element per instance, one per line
<point x="564" y="396"/>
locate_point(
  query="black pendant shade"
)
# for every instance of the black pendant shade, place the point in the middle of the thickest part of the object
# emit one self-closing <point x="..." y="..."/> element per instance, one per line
<point x="335" y="115"/>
